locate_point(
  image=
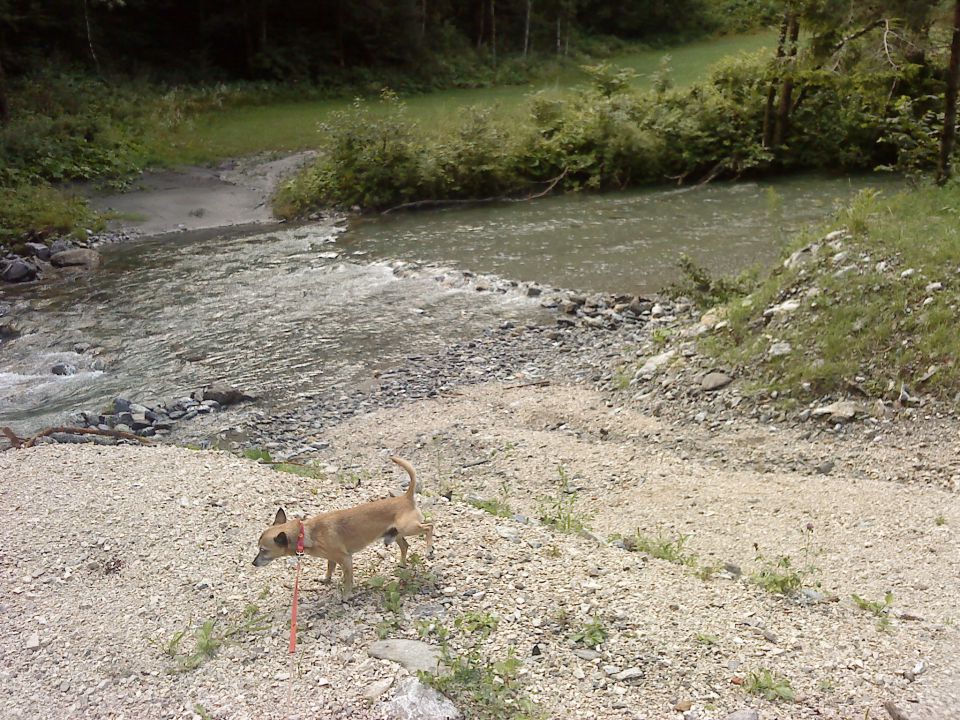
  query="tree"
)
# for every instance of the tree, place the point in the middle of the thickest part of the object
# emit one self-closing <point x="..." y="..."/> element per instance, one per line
<point x="948" y="136"/>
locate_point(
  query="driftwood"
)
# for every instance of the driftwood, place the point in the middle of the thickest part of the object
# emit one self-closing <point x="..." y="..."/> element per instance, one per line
<point x="421" y="204"/>
<point x="894" y="712"/>
<point x="19" y="442"/>
<point x="535" y="383"/>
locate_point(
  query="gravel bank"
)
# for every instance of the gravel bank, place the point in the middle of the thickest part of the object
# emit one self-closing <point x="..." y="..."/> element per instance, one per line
<point x="107" y="553"/>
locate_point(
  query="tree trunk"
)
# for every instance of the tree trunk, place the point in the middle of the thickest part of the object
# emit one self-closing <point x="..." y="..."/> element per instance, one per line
<point x="93" y="53"/>
<point x="558" y="33"/>
<point x="526" y="28"/>
<point x="772" y="90"/>
<point x="950" y="113"/>
<point x="786" y="90"/>
<point x="493" y="30"/>
<point x="4" y="105"/>
<point x="423" y="20"/>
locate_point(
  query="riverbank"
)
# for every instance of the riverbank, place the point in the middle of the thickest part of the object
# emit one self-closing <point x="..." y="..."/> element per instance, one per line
<point x="152" y="543"/>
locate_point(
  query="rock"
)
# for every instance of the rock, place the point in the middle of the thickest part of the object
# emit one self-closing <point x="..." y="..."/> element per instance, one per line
<point x="934" y="287"/>
<point x="33" y="642"/>
<point x="780" y="349"/>
<point x="224" y="394"/>
<point x="76" y="257"/>
<point x="783" y="308"/>
<point x="534" y="291"/>
<point x="825" y="468"/>
<point x="38" y="250"/>
<point x="812" y="596"/>
<point x="63" y="369"/>
<point x="416" y="701"/>
<point x="632" y="673"/>
<point x="377" y="689"/>
<point x="411" y="654"/>
<point x="715" y="381"/>
<point x="586" y="654"/>
<point x="121" y="405"/>
<point x="652" y="365"/>
<point x="802" y="256"/>
<point x="841" y="411"/>
<point x="60" y="245"/>
<point x="683" y="705"/>
<point x="908" y="273"/>
<point x="507" y="533"/>
<point x="18" y="270"/>
<point x="746" y="714"/>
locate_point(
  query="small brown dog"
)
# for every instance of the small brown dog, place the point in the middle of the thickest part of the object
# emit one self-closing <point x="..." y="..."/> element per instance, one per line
<point x="337" y="535"/>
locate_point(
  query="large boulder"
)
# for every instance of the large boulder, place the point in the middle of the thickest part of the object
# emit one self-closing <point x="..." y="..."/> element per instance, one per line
<point x="18" y="270"/>
<point x="76" y="257"/>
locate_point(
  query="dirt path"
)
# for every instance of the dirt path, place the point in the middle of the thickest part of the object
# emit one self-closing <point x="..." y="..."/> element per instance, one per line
<point x="107" y="553"/>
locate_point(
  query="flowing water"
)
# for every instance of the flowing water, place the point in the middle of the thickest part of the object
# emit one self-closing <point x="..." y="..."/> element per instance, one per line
<point x="291" y="312"/>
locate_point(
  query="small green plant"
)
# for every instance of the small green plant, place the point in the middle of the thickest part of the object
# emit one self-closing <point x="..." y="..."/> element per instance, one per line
<point x="407" y="581"/>
<point x="770" y="686"/>
<point x="661" y="547"/>
<point x="661" y="335"/>
<point x="706" y="291"/>
<point x="880" y="609"/>
<point x="592" y="634"/>
<point x="622" y="378"/>
<point x="258" y="455"/>
<point x="481" y="623"/>
<point x="559" y="511"/>
<point x="708" y="572"/>
<point x="779" y="576"/>
<point x="939" y="520"/>
<point x="202" y="712"/>
<point x="706" y="639"/>
<point x="483" y="689"/>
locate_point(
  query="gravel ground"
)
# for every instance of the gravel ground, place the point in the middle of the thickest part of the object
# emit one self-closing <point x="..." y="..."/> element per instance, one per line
<point x="108" y="552"/>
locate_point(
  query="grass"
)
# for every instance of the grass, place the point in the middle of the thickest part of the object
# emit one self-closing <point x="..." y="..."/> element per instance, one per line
<point x="875" y="328"/>
<point x="778" y="576"/>
<point x="881" y="610"/>
<point x="559" y="510"/>
<point x="662" y="548"/>
<point x="769" y="686"/>
<point x="288" y="126"/>
<point x="208" y="638"/>
<point x="407" y="581"/>
<point x="42" y="207"/>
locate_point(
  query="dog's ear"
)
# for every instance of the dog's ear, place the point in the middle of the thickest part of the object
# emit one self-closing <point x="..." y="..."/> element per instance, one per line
<point x="281" y="517"/>
<point x="281" y="539"/>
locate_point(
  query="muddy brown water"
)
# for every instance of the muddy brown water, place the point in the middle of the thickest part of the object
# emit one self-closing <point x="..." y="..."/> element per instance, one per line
<point x="290" y="312"/>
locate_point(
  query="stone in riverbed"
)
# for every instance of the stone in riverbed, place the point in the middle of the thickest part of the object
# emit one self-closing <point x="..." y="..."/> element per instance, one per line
<point x="38" y="250"/>
<point x="63" y="369"/>
<point x="76" y="257"/>
<point x="19" y="270"/>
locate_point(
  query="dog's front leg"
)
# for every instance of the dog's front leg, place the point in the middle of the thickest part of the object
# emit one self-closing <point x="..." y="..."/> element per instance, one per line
<point x="330" y="567"/>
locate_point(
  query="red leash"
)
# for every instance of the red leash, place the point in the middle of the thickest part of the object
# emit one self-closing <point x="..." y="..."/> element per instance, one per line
<point x="296" y="595"/>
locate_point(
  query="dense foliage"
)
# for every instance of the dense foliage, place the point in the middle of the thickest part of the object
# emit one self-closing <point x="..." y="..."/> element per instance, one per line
<point x="320" y="40"/>
<point x="608" y="135"/>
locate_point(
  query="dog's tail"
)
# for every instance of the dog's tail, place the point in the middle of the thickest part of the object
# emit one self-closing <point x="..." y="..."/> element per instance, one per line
<point x="411" y="488"/>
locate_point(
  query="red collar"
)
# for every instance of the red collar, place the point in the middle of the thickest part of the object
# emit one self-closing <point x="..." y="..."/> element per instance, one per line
<point x="300" y="540"/>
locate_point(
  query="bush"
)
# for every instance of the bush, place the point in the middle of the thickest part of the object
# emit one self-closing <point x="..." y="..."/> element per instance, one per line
<point x="41" y="209"/>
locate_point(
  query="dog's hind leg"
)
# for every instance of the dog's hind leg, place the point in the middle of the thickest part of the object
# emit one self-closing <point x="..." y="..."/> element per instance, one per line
<point x="347" y="564"/>
<point x="404" y="546"/>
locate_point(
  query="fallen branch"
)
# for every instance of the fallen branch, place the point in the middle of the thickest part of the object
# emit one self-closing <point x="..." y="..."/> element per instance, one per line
<point x="418" y="204"/>
<point x="18" y="442"/>
<point x="535" y="383"/>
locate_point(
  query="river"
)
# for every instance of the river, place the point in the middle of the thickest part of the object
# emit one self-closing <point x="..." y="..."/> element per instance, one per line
<point x="289" y="312"/>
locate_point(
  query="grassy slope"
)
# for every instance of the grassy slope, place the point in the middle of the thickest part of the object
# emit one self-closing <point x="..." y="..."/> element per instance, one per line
<point x="869" y="320"/>
<point x="290" y="126"/>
